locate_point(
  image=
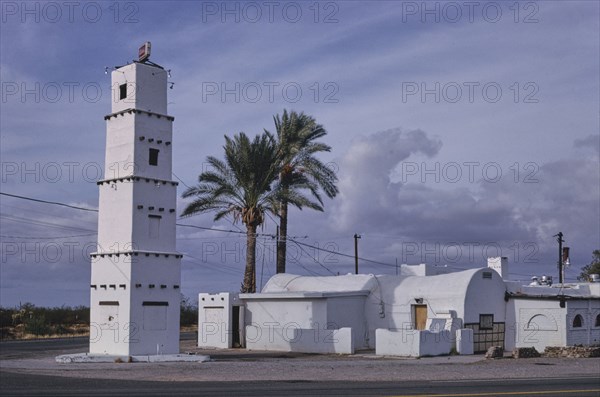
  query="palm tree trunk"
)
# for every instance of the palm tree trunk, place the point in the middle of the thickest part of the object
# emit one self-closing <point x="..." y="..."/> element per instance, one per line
<point x="282" y="240"/>
<point x="249" y="285"/>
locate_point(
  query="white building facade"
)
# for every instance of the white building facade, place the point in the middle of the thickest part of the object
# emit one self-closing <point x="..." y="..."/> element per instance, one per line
<point x="425" y="311"/>
<point x="557" y="315"/>
<point x="135" y="278"/>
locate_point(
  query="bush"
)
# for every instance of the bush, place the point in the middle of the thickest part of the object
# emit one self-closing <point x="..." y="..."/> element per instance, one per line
<point x="36" y="325"/>
<point x="29" y="319"/>
<point x="60" y="330"/>
<point x="6" y="317"/>
<point x="189" y="313"/>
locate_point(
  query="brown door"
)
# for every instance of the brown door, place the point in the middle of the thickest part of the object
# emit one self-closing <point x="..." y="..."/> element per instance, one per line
<point x="420" y="317"/>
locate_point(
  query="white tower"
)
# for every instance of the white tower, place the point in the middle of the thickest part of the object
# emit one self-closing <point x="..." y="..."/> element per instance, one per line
<point x="136" y="271"/>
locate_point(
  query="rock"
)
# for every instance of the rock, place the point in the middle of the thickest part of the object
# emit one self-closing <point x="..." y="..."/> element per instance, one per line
<point x="525" y="352"/>
<point x="572" y="351"/>
<point x="495" y="352"/>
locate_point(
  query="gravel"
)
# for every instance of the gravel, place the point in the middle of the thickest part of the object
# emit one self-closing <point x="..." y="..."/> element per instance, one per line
<point x="243" y="365"/>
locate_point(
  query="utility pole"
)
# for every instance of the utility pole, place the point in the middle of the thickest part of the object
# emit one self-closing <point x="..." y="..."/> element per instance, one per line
<point x="559" y="238"/>
<point x="356" y="237"/>
<point x="278" y="247"/>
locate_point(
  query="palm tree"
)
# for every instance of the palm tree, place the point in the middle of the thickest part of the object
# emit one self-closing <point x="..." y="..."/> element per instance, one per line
<point x="240" y="186"/>
<point x="299" y="169"/>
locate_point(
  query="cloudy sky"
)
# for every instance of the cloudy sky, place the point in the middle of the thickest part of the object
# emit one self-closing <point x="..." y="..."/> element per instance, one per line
<point x="460" y="130"/>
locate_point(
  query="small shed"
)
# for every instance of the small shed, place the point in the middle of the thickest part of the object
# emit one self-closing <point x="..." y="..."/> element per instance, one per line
<point x="556" y="315"/>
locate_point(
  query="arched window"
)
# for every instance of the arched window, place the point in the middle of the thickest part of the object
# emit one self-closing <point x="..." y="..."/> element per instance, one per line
<point x="578" y="321"/>
<point x="597" y="324"/>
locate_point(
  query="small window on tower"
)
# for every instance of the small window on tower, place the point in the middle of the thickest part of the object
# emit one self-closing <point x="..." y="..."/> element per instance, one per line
<point x="122" y="91"/>
<point x="153" y="157"/>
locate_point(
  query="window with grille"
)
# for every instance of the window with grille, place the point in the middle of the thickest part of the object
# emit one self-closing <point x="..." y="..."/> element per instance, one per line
<point x="486" y="321"/>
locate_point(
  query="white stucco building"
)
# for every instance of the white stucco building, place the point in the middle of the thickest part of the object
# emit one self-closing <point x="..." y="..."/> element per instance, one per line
<point x="425" y="311"/>
<point x="557" y="315"/>
<point x="135" y="278"/>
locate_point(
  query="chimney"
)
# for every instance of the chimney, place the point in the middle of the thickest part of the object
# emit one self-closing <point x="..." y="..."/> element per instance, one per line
<point x="500" y="265"/>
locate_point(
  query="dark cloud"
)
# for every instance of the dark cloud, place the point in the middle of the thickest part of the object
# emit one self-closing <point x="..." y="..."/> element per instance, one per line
<point x="589" y="142"/>
<point x="364" y="171"/>
<point x="517" y="210"/>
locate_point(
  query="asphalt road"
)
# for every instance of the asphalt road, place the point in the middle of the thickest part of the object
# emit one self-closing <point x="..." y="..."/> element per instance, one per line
<point x="32" y="348"/>
<point x="29" y="383"/>
<point x="12" y="384"/>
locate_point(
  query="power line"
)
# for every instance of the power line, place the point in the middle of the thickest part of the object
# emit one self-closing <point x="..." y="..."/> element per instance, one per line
<point x="46" y="213"/>
<point x="315" y="259"/>
<point x="293" y="239"/>
<point x="49" y="202"/>
<point x="19" y="219"/>
<point x="49" y="238"/>
<point x="223" y="230"/>
<point x="341" y="254"/>
<point x="221" y="267"/>
<point x="180" y="180"/>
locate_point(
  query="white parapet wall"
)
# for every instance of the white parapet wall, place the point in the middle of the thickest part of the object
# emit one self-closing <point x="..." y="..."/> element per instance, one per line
<point x="310" y="322"/>
<point x="464" y="341"/>
<point x="303" y="340"/>
<point x="412" y="343"/>
<point x="219" y="324"/>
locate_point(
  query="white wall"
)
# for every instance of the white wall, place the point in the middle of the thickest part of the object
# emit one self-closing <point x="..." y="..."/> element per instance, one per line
<point x="299" y="313"/>
<point x="542" y="322"/>
<point x="304" y="322"/>
<point x="293" y="339"/>
<point x="500" y="265"/>
<point x="535" y="323"/>
<point x="348" y="312"/>
<point x="412" y="343"/>
<point x="128" y="140"/>
<point x="485" y="296"/>
<point x="155" y="334"/>
<point x="422" y="269"/>
<point x="119" y="158"/>
<point x="146" y="88"/>
<point x="588" y="334"/>
<point x="137" y="283"/>
<point x="215" y="320"/>
<point x="115" y="217"/>
<point x="158" y="200"/>
<point x="109" y="302"/>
